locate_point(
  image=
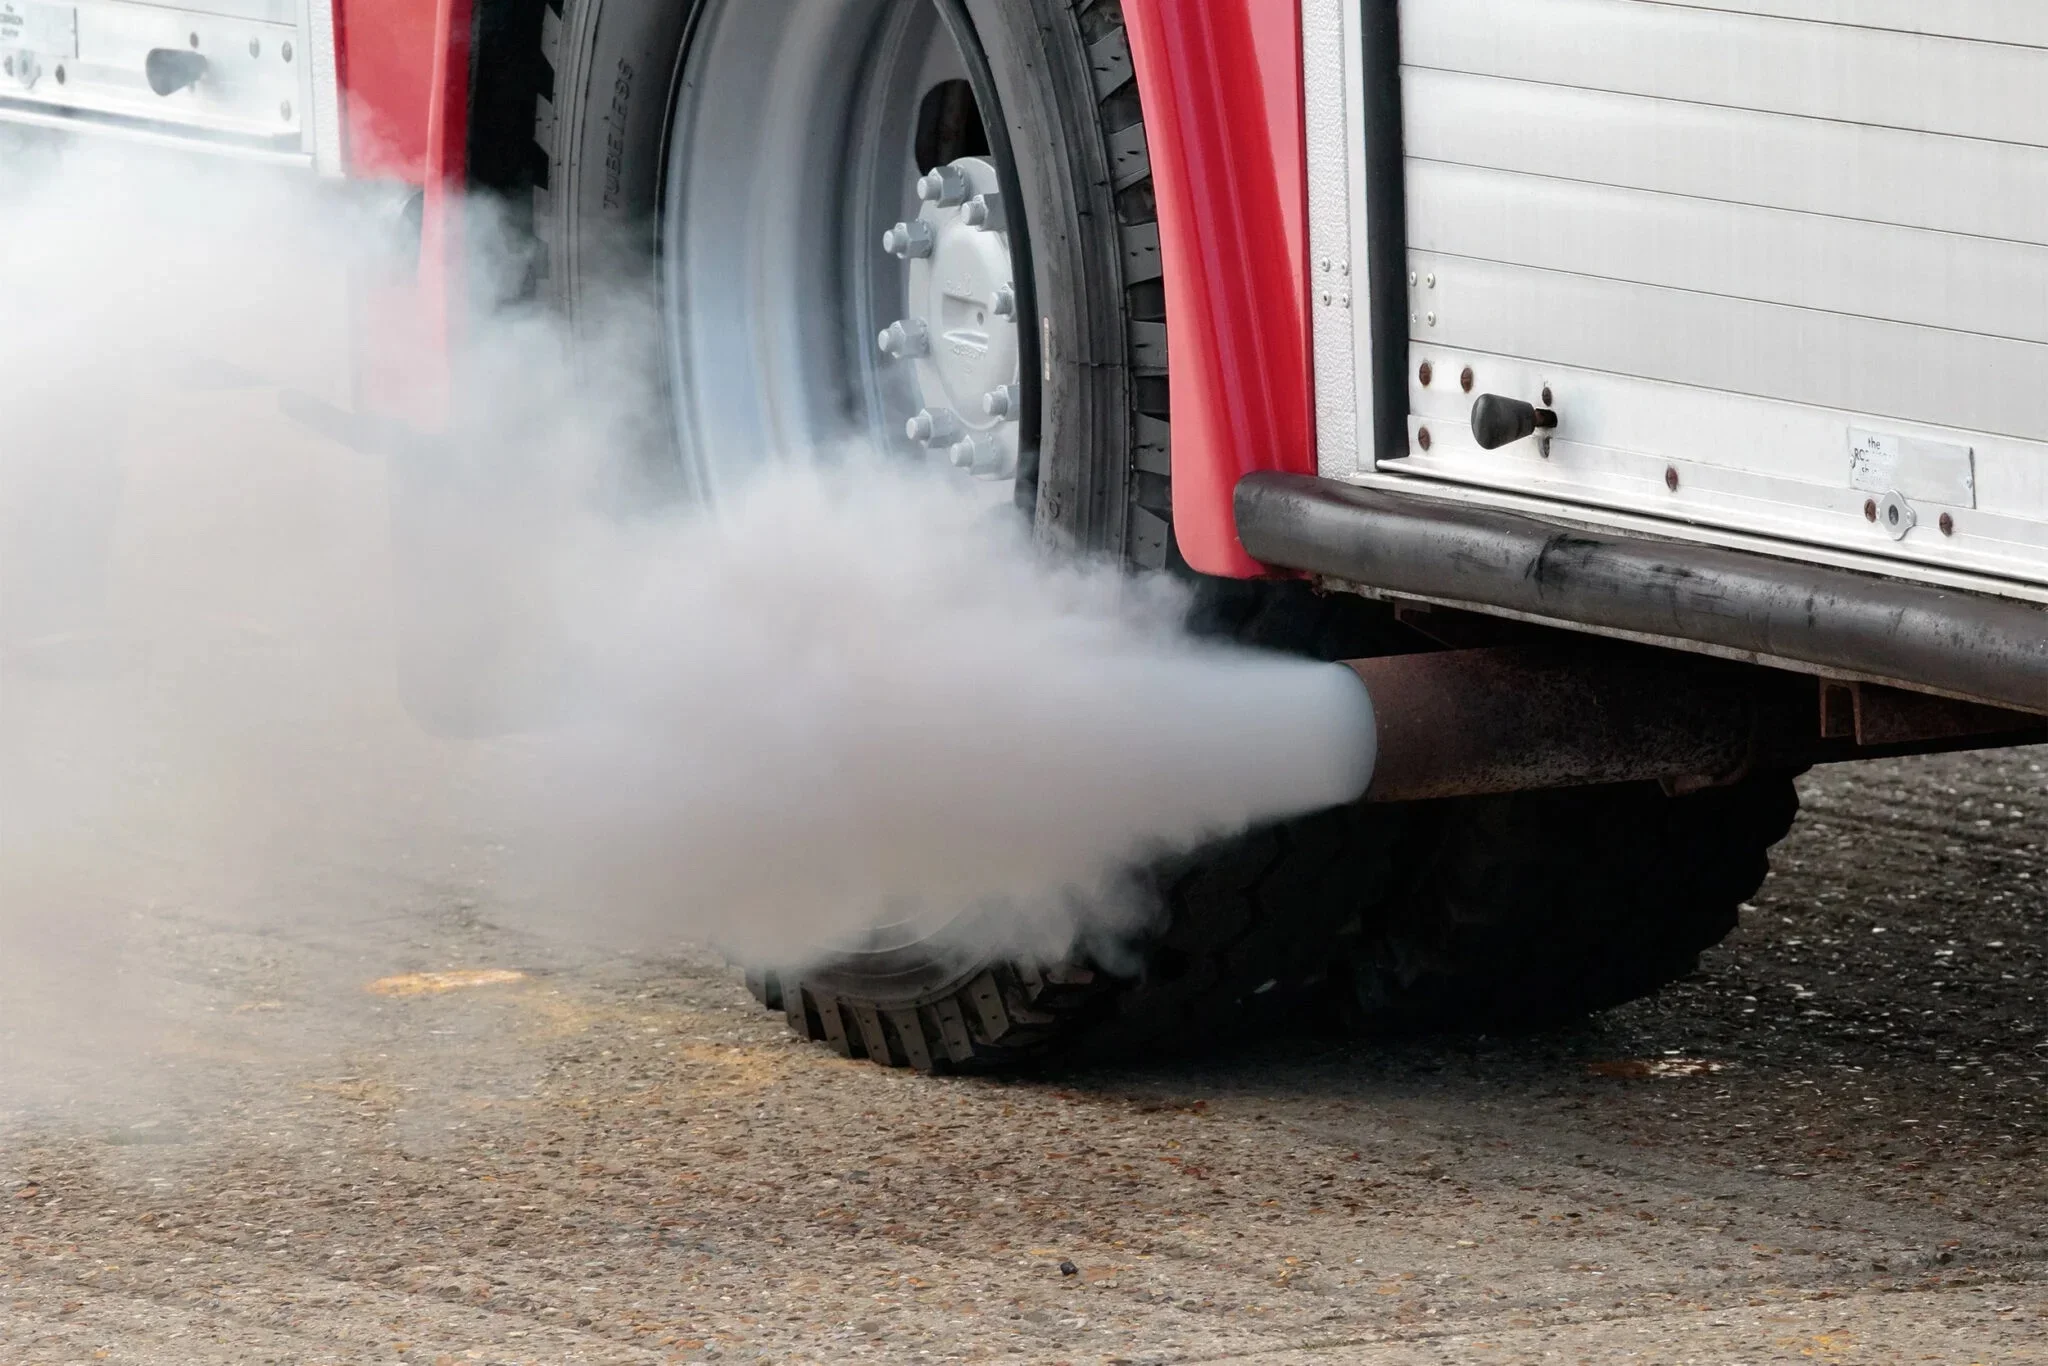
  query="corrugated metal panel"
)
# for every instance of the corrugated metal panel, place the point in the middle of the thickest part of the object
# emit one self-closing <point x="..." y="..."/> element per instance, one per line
<point x="1872" y="270"/>
<point x="1823" y="219"/>
<point x="1992" y="21"/>
<point x="1991" y="189"/>
<point x="1868" y="365"/>
<point x="1820" y="71"/>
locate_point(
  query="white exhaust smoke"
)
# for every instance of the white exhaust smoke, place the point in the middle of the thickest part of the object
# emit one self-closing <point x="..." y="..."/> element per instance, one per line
<point x="847" y="698"/>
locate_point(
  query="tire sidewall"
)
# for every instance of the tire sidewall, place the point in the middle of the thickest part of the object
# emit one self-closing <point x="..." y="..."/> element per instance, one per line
<point x="616" y="66"/>
<point x="1043" y="78"/>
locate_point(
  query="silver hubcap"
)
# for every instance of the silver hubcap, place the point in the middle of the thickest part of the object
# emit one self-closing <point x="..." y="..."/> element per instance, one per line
<point x="832" y="268"/>
<point x="959" y="333"/>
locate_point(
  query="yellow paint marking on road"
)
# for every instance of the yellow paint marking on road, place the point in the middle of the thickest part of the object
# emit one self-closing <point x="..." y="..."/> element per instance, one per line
<point x="432" y="983"/>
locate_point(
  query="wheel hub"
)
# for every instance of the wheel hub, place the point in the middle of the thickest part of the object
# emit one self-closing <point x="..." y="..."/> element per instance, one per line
<point x="959" y="329"/>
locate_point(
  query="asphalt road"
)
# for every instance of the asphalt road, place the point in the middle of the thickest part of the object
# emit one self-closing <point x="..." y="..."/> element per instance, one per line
<point x="1825" y="1147"/>
<point x="236" y="1127"/>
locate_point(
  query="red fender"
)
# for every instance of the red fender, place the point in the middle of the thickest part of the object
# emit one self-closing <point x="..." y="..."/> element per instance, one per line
<point x="1222" y="89"/>
<point x="404" y="72"/>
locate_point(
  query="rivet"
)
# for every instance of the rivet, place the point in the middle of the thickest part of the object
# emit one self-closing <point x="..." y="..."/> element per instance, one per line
<point x="1344" y="300"/>
<point x="1422" y="438"/>
<point x="1431" y="317"/>
<point x="285" y="52"/>
<point x="194" y="40"/>
<point x="1548" y="401"/>
<point x="1411" y="277"/>
<point x="1326" y="263"/>
<point x="1343" y="267"/>
<point x="1431" y="279"/>
<point x="284" y="111"/>
<point x="1870" y="509"/>
<point x="1671" y="477"/>
<point x="1327" y="297"/>
<point x="1424" y="373"/>
<point x="1948" y="525"/>
<point x="255" y="47"/>
<point x="1465" y="380"/>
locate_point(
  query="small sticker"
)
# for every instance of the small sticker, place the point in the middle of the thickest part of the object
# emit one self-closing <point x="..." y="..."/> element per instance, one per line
<point x="46" y="30"/>
<point x="1936" y="471"/>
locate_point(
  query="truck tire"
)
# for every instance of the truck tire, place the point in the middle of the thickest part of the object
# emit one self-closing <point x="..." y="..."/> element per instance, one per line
<point x="1242" y="928"/>
<point x="1532" y="910"/>
<point x="629" y="108"/>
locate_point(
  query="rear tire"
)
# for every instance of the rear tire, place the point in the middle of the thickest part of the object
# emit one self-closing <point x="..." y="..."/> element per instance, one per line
<point x="1241" y="930"/>
<point x="1535" y="909"/>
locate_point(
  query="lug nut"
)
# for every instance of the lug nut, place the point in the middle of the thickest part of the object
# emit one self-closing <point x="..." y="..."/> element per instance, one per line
<point x="1003" y="303"/>
<point x="945" y="186"/>
<point x="1002" y="401"/>
<point x="912" y="239"/>
<point x="965" y="454"/>
<point x="992" y="460"/>
<point x="906" y="340"/>
<point x="984" y="211"/>
<point x="934" y="427"/>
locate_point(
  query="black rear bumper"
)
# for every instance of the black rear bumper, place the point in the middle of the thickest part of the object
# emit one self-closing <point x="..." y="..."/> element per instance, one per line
<point x="1989" y="649"/>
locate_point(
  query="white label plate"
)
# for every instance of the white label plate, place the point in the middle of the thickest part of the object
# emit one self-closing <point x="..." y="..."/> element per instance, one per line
<point x="1935" y="471"/>
<point x="46" y="30"/>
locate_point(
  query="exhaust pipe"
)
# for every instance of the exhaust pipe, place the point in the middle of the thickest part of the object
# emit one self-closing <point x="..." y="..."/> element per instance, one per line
<point x="1461" y="723"/>
<point x="1466" y="723"/>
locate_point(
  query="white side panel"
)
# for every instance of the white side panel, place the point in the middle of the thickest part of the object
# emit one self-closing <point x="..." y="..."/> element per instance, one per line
<point x="1994" y="21"/>
<point x="258" y="77"/>
<point x="1872" y="366"/>
<point x="1841" y="170"/>
<point x="1764" y="255"/>
<point x="1822" y="71"/>
<point x="1833" y="265"/>
<point x="1707" y="444"/>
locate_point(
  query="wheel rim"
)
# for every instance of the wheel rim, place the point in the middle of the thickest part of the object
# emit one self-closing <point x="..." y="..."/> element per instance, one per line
<point x="837" y="263"/>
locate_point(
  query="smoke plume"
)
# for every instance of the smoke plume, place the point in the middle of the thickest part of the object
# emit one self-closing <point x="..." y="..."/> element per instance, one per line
<point x="852" y="695"/>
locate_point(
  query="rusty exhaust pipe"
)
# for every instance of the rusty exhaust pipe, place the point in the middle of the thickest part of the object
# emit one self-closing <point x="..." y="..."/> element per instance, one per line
<point x="1463" y="723"/>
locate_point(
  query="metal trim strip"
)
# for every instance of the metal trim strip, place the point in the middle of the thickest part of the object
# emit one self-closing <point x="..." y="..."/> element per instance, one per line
<point x="324" y="75"/>
<point x="1967" y="645"/>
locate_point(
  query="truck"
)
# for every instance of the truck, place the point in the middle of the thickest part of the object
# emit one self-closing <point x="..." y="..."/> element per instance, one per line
<point x="1646" y="397"/>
